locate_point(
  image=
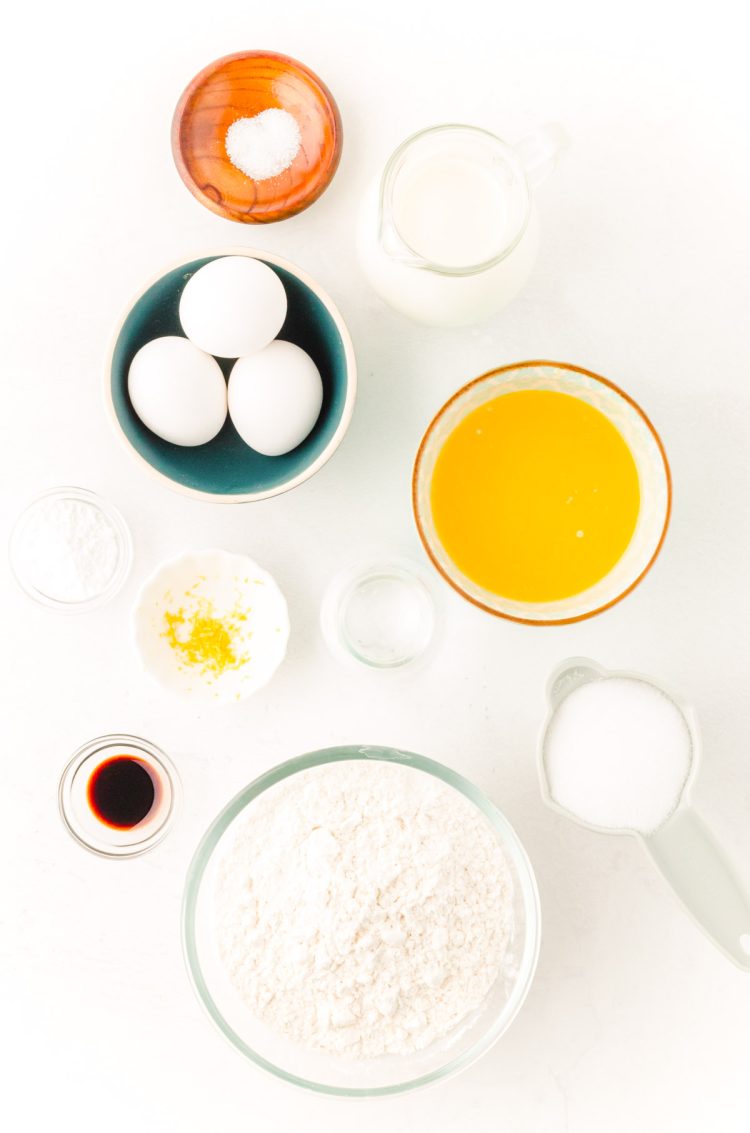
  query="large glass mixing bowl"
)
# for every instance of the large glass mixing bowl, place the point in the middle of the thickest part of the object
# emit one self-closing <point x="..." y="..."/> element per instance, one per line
<point x="324" y="1073"/>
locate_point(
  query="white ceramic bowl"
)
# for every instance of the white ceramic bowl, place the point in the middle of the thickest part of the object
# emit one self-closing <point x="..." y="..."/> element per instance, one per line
<point x="216" y="584"/>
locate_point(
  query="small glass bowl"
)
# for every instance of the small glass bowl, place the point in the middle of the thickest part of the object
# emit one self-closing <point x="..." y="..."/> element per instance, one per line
<point x="380" y="614"/>
<point x="124" y="546"/>
<point x="96" y="835"/>
<point x="313" y="1070"/>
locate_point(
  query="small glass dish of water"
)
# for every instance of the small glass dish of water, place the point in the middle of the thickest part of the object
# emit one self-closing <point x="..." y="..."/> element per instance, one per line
<point x="380" y="614"/>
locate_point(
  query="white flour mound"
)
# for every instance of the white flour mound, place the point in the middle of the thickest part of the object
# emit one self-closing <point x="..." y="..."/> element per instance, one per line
<point x="364" y="908"/>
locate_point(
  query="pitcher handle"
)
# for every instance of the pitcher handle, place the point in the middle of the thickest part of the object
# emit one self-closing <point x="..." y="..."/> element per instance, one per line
<point x="540" y="152"/>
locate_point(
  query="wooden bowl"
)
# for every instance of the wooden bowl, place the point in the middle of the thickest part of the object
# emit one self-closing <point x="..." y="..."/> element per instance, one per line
<point x="242" y="86"/>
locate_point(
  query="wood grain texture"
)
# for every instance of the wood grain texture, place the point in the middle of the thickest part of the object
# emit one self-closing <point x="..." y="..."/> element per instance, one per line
<point x="241" y="86"/>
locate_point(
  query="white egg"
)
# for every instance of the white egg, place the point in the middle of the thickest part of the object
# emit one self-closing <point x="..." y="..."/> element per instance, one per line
<point x="233" y="306"/>
<point x="178" y="391"/>
<point x="275" y="397"/>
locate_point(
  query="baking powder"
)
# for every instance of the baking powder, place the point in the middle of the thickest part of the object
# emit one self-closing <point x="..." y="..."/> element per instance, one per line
<point x="364" y="908"/>
<point x="66" y="549"/>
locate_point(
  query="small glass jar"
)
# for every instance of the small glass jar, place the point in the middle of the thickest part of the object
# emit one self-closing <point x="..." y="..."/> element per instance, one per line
<point x="82" y="820"/>
<point x="380" y="614"/>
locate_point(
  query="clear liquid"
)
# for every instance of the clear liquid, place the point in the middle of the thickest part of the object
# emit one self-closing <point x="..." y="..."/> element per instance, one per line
<point x="387" y="620"/>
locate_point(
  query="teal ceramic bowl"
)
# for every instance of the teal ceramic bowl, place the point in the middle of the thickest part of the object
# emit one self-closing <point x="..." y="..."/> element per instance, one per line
<point x="226" y="470"/>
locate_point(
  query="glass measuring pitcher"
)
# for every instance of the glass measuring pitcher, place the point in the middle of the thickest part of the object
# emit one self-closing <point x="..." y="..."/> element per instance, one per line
<point x="449" y="233"/>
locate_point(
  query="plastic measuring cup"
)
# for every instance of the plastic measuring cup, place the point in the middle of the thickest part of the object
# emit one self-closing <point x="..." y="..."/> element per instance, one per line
<point x="683" y="848"/>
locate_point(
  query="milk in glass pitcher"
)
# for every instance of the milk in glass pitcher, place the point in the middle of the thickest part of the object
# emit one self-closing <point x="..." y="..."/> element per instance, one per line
<point x="449" y="234"/>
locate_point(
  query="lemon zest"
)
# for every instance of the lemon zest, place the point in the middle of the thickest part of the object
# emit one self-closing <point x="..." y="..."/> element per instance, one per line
<point x="204" y="640"/>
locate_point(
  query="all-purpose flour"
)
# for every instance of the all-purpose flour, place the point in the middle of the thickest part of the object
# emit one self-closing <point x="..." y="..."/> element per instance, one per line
<point x="364" y="908"/>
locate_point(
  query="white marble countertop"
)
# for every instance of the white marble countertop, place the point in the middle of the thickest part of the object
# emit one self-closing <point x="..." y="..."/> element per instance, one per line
<point x="634" y="1020"/>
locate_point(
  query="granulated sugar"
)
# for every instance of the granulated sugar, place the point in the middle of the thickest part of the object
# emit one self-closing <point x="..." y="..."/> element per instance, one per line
<point x="618" y="753"/>
<point x="364" y="908"/>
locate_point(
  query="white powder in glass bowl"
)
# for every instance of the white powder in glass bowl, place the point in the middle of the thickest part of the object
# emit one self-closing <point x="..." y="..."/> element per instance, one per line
<point x="66" y="548"/>
<point x="364" y="908"/>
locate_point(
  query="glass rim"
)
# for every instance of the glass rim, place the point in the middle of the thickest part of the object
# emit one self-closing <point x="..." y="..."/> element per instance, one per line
<point x="387" y="182"/>
<point x="507" y="837"/>
<point x="418" y="518"/>
<point x="124" y="547"/>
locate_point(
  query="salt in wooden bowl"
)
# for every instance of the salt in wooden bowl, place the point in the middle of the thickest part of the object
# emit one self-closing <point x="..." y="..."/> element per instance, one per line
<point x="242" y="86"/>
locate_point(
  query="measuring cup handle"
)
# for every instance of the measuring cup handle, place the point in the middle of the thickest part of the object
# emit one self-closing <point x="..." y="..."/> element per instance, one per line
<point x="693" y="863"/>
<point x="541" y="151"/>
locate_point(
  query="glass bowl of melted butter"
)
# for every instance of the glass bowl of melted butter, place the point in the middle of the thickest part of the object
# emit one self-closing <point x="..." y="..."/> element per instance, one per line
<point x="542" y="493"/>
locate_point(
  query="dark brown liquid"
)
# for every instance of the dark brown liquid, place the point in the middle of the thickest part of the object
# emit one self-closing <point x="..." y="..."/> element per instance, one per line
<point x="121" y="792"/>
